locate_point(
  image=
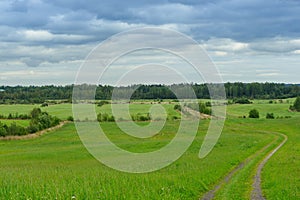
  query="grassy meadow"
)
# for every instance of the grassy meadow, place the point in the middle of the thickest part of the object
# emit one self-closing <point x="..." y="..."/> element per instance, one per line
<point x="23" y="123"/>
<point x="57" y="166"/>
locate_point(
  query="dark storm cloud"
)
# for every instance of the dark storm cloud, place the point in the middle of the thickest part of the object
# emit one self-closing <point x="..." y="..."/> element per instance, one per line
<point x="238" y="20"/>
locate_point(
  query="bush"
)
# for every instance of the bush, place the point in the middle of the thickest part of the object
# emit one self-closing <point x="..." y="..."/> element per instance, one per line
<point x="14" y="129"/>
<point x="33" y="128"/>
<point x="253" y="113"/>
<point x="200" y="107"/>
<point x="104" y="117"/>
<point x="141" y="117"/>
<point x="70" y="118"/>
<point x="3" y="130"/>
<point x="39" y="121"/>
<point x="177" y="107"/>
<point x="270" y="116"/>
<point x="175" y="117"/>
<point x="111" y="118"/>
<point x="35" y="113"/>
<point x="101" y="103"/>
<point x="242" y="101"/>
<point x="208" y="104"/>
<point x="44" y="105"/>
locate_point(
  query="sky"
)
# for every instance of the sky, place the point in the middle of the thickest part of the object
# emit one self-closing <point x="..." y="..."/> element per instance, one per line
<point x="45" y="42"/>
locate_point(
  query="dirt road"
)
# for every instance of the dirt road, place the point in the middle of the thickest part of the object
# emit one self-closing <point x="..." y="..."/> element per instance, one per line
<point x="256" y="187"/>
<point x="256" y="191"/>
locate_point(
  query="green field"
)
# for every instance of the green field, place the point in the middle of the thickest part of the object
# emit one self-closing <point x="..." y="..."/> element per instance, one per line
<point x="63" y="111"/>
<point x="23" y="123"/>
<point x="57" y="166"/>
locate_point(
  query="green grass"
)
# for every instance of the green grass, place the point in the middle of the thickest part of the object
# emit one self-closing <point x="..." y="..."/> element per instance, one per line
<point x="63" y="111"/>
<point x="56" y="165"/>
<point x="23" y="123"/>
<point x="281" y="175"/>
<point x="279" y="109"/>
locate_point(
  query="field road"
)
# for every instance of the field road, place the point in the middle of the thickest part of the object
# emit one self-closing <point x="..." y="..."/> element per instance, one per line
<point x="256" y="193"/>
<point x="256" y="190"/>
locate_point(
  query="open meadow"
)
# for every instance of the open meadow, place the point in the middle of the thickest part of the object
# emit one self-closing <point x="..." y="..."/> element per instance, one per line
<point x="56" y="165"/>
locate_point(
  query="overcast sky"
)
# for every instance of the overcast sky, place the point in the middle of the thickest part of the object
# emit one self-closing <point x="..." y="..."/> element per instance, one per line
<point x="45" y="42"/>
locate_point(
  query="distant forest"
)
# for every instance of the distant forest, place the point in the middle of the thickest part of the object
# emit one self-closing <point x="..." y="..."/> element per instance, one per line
<point x="40" y="94"/>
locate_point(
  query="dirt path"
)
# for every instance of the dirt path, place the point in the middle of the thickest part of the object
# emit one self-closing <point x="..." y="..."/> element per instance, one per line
<point x="34" y="135"/>
<point x="196" y="113"/>
<point x="256" y="193"/>
<point x="211" y="194"/>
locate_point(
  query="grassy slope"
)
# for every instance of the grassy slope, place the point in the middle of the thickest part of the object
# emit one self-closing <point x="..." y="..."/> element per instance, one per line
<point x="280" y="177"/>
<point x="57" y="165"/>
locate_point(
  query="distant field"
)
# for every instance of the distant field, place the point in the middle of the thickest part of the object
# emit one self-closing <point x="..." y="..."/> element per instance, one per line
<point x="279" y="109"/>
<point x="56" y="165"/>
<point x="63" y="111"/>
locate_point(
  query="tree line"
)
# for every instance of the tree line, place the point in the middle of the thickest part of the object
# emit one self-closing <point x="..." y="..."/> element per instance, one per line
<point x="40" y="94"/>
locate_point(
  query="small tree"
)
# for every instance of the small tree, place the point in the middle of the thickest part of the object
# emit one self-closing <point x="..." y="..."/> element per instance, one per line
<point x="253" y="113"/>
<point x="35" y="113"/>
<point x="3" y="131"/>
<point x="296" y="105"/>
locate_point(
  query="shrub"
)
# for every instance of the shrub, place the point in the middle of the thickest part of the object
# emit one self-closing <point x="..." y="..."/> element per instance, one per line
<point x="253" y="113"/>
<point x="200" y="107"/>
<point x="141" y="117"/>
<point x="177" y="107"/>
<point x="3" y="131"/>
<point x="44" y="105"/>
<point x="104" y="117"/>
<point x="101" y="103"/>
<point x="111" y="118"/>
<point x="208" y="104"/>
<point x="10" y="116"/>
<point x="175" y="117"/>
<point x="270" y="116"/>
<point x="14" y="129"/>
<point x="70" y="118"/>
<point x="33" y="128"/>
<point x="242" y="101"/>
<point x="35" y="113"/>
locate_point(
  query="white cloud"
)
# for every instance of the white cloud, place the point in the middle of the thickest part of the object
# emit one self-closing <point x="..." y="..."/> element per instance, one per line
<point x="39" y="35"/>
<point x="224" y="45"/>
<point x="269" y="74"/>
<point x="220" y="53"/>
<point x="296" y="52"/>
<point x="46" y="36"/>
